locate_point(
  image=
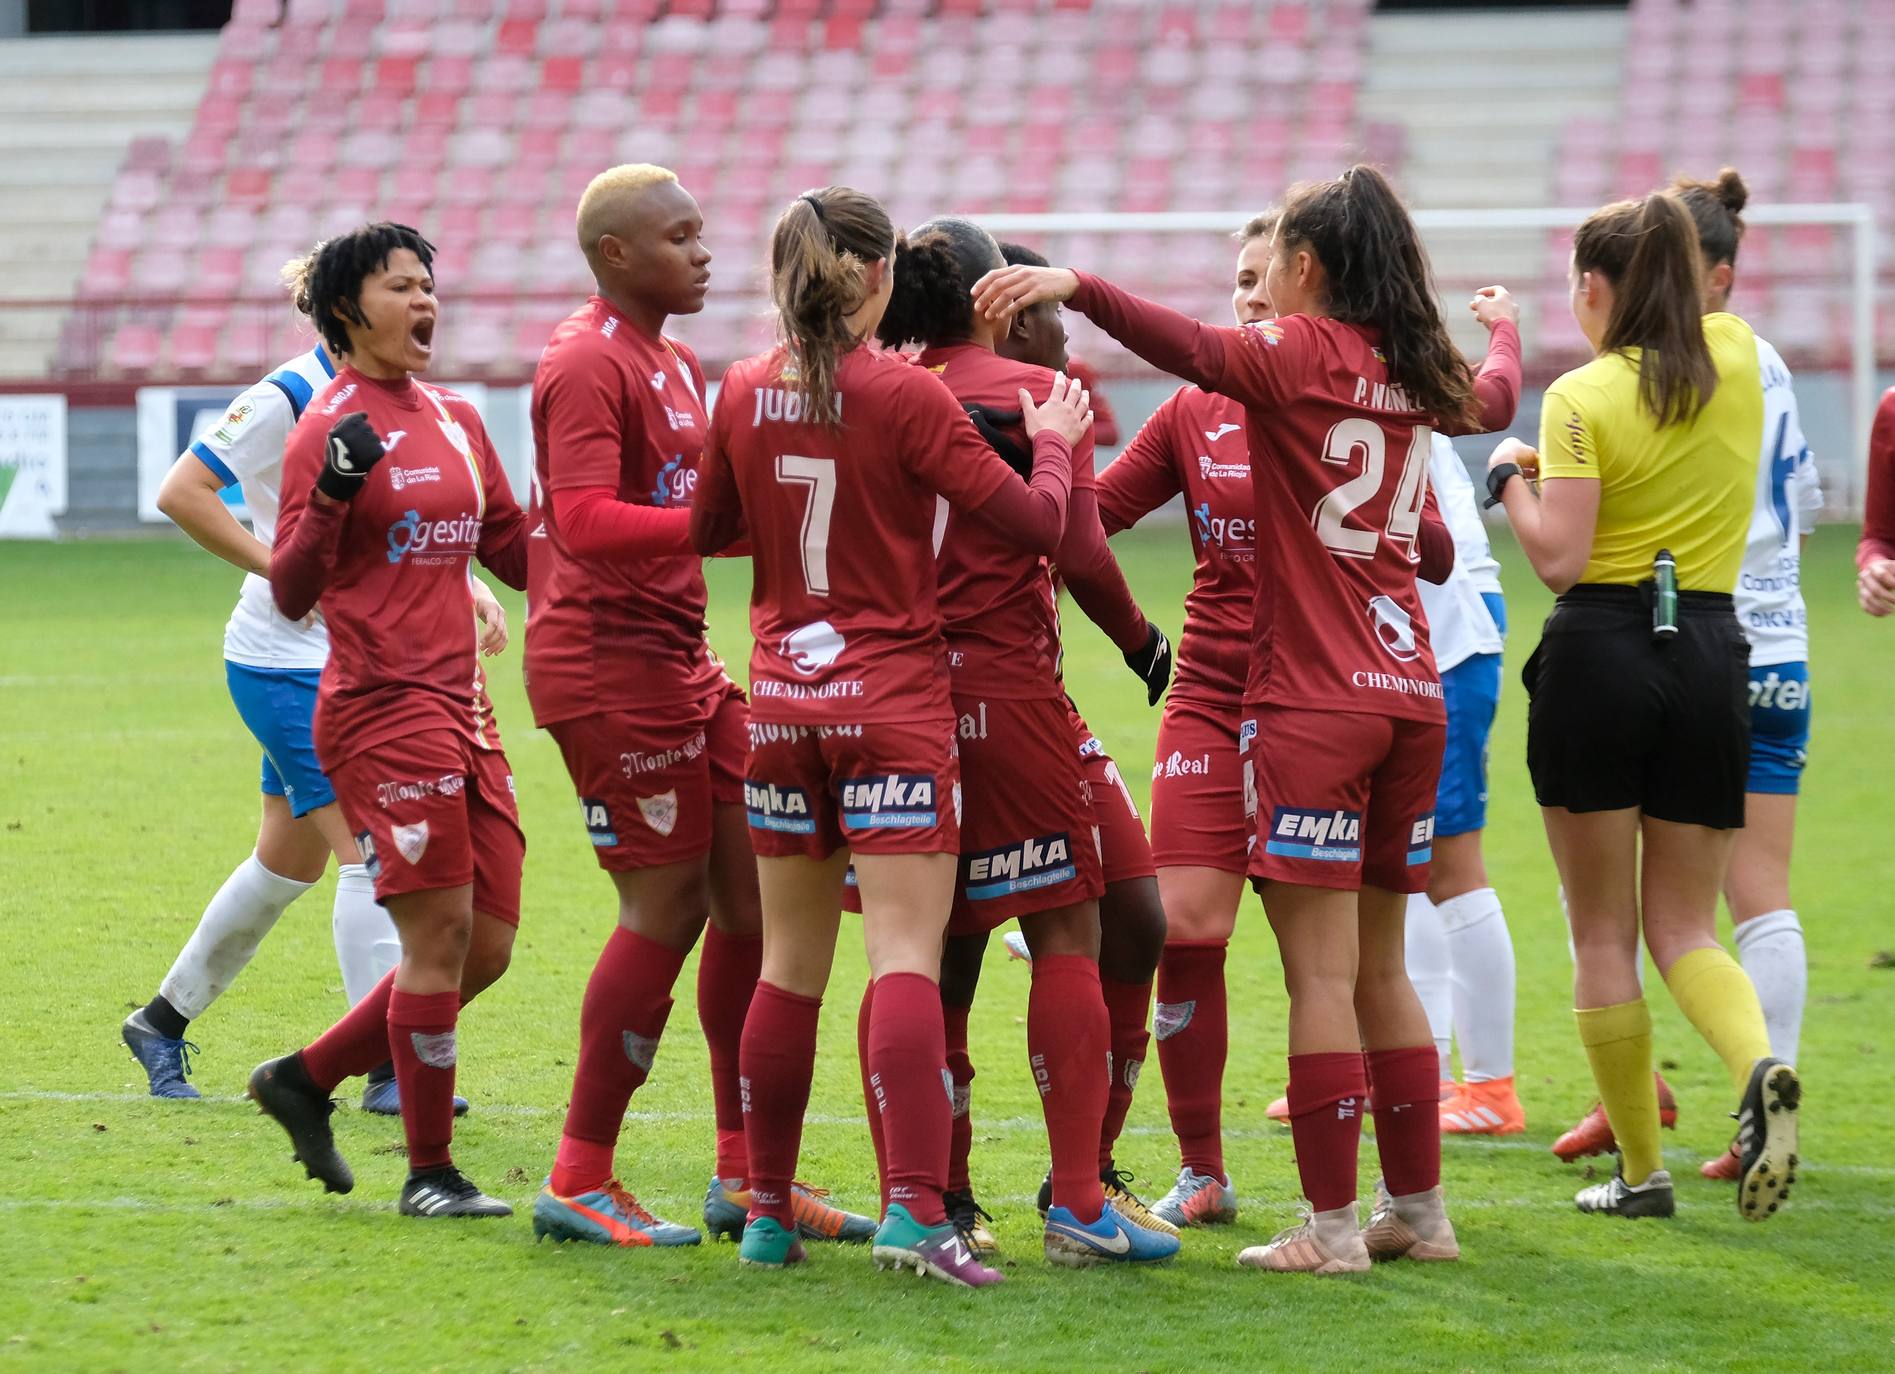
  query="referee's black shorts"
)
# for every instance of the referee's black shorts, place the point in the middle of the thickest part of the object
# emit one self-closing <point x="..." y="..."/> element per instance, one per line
<point x="1616" y="720"/>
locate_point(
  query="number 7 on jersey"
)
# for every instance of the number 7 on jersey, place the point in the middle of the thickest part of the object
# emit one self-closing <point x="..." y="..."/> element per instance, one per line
<point x="818" y="477"/>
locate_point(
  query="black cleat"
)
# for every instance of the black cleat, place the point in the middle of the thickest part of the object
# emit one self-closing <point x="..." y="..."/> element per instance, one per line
<point x="970" y="1220"/>
<point x="302" y="1111"/>
<point x="1045" y="1200"/>
<point x="1766" y="1138"/>
<point x="448" y="1193"/>
<point x="1615" y="1197"/>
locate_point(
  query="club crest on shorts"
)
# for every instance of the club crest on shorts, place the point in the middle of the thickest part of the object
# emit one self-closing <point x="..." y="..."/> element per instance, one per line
<point x="411" y="841"/>
<point x="660" y="812"/>
<point x="437" y="1051"/>
<point x="1168" y="1018"/>
<point x="1394" y="629"/>
<point x="365" y="842"/>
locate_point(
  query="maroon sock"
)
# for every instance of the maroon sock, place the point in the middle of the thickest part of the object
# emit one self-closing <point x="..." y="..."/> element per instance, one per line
<point x="1326" y="1097"/>
<point x="778" y="1059"/>
<point x="420" y="1030"/>
<point x="1192" y="1024"/>
<point x="627" y="1000"/>
<point x="1126" y="1009"/>
<point x="355" y="1044"/>
<point x="1408" y="1117"/>
<point x="727" y="968"/>
<point x="868" y="1092"/>
<point x="1067" y="1040"/>
<point x="907" y="1069"/>
<point x="961" y="1072"/>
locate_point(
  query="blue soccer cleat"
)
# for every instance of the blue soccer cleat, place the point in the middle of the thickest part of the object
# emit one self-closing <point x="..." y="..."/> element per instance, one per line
<point x="167" y="1062"/>
<point x="383" y="1097"/>
<point x="1109" y="1240"/>
<point x="605" y="1216"/>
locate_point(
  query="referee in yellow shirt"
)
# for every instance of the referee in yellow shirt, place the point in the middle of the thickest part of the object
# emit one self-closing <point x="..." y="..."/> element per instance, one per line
<point x="1638" y="724"/>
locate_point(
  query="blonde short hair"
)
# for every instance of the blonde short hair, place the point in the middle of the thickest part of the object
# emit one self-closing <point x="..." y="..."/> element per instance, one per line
<point x="607" y="195"/>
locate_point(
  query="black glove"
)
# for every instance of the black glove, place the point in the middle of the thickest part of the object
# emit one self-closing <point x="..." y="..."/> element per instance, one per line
<point x="1152" y="663"/>
<point x="353" y="450"/>
<point x="993" y="425"/>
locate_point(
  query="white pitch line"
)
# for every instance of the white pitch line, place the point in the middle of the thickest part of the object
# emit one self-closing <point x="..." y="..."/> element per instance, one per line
<point x="1019" y="1125"/>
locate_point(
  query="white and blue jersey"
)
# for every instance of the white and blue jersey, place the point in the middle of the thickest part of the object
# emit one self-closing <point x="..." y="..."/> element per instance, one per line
<point x="1467" y="625"/>
<point x="271" y="663"/>
<point x="1769" y="591"/>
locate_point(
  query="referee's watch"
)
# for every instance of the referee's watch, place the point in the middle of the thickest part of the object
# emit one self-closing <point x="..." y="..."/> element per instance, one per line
<point x="1497" y="479"/>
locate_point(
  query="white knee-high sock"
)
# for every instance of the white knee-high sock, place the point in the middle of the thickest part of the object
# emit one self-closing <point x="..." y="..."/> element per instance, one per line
<point x="1430" y="970"/>
<point x="366" y="943"/>
<point x="1480" y="951"/>
<point x="227" y="936"/>
<point x="1771" y="949"/>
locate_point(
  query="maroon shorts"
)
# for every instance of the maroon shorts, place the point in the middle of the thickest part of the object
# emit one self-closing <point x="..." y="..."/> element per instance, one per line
<point x="886" y="788"/>
<point x="1198" y="815"/>
<point x="1028" y="842"/>
<point x="1341" y="799"/>
<point x="435" y="810"/>
<point x="1124" y="852"/>
<point x="646" y="786"/>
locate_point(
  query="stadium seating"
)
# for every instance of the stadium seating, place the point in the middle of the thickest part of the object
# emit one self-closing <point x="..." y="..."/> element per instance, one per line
<point x="481" y="122"/>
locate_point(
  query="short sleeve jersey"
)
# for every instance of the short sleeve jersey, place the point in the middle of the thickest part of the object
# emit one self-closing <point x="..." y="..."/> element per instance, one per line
<point x="997" y="598"/>
<point x="245" y="449"/>
<point x="1194" y="445"/>
<point x="1339" y="475"/>
<point x="401" y="618"/>
<point x="1789" y="498"/>
<point x="1687" y="487"/>
<point x="842" y="522"/>
<point x="615" y="408"/>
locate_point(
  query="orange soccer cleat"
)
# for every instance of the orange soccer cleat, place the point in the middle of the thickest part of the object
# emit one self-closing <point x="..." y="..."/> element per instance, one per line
<point x="1725" y="1168"/>
<point x="1490" y="1108"/>
<point x="1593" y="1135"/>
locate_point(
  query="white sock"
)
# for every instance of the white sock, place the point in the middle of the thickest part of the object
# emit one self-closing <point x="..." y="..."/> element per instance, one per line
<point x="366" y="943"/>
<point x="1771" y="948"/>
<point x="227" y="936"/>
<point x="1432" y="973"/>
<point x="1481" y="953"/>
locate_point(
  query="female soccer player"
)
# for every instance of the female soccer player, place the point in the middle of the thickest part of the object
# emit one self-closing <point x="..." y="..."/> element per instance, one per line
<point x="271" y="665"/>
<point x="650" y="725"/>
<point x="1028" y="847"/>
<point x="1637" y="727"/>
<point x="1342" y="731"/>
<point x="1875" y="553"/>
<point x="832" y="456"/>
<point x="390" y="488"/>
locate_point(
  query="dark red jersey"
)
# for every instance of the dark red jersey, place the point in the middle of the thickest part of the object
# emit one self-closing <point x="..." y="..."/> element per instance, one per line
<point x="842" y="521"/>
<point x="1339" y="472"/>
<point x="616" y="409"/>
<point x="391" y="565"/>
<point x="1194" y="445"/>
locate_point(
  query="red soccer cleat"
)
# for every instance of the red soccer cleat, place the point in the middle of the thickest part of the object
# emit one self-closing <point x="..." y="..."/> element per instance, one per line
<point x="1593" y="1135"/>
<point x="1725" y="1168"/>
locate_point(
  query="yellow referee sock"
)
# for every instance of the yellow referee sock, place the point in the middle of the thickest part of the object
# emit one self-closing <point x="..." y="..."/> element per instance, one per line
<point x="1715" y="994"/>
<point x="1618" y="1041"/>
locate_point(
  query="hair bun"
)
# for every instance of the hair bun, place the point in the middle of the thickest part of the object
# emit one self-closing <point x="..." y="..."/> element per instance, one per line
<point x="1731" y="191"/>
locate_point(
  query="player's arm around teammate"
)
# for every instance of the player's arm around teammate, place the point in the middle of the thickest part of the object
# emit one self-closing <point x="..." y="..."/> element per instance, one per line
<point x="391" y="487"/>
<point x="1638" y="730"/>
<point x="1342" y="708"/>
<point x="1875" y="554"/>
<point x="832" y="456"/>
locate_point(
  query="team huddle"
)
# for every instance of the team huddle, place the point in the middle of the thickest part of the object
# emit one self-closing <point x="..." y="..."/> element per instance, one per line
<point x="910" y="473"/>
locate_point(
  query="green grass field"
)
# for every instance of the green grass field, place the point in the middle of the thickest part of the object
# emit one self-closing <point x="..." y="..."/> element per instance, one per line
<point x="156" y="1235"/>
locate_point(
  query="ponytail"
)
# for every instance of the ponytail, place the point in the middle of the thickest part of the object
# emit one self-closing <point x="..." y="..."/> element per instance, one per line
<point x="820" y="253"/>
<point x="1378" y="275"/>
<point x="1648" y="250"/>
<point x="933" y="300"/>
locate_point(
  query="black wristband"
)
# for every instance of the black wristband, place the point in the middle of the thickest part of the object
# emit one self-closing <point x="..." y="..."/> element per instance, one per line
<point x="1497" y="479"/>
